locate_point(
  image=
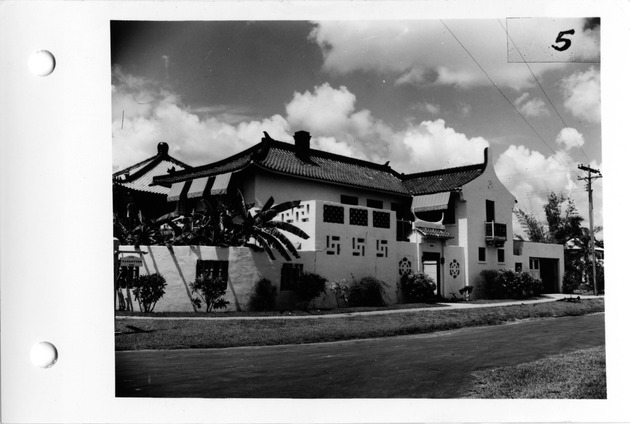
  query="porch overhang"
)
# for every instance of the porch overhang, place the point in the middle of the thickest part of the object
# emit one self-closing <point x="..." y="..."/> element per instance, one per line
<point x="430" y="202"/>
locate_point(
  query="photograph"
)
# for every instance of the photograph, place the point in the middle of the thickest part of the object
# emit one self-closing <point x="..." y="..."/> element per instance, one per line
<point x="358" y="208"/>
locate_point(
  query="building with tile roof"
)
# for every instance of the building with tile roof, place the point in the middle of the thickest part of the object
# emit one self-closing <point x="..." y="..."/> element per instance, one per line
<point x="133" y="189"/>
<point x="450" y="223"/>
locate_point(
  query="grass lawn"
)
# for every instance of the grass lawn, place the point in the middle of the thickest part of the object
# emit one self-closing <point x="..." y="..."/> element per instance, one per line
<point x="282" y="313"/>
<point x="198" y="333"/>
<point x="576" y="375"/>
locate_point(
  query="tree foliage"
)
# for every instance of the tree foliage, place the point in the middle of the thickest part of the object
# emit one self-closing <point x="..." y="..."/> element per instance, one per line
<point x="564" y="226"/>
<point x="225" y="222"/>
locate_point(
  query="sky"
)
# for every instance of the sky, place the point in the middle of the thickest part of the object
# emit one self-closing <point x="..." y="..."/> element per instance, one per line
<point x="422" y="94"/>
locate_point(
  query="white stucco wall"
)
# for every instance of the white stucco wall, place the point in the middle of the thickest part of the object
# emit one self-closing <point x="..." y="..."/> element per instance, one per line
<point x="246" y="268"/>
<point x="485" y="187"/>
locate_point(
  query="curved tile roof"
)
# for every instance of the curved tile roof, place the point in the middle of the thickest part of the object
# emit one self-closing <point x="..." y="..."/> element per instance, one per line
<point x="140" y="175"/>
<point x="442" y="180"/>
<point x="277" y="156"/>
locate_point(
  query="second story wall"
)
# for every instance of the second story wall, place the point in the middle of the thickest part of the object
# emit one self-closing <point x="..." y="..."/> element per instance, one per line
<point x="286" y="188"/>
<point x="487" y="199"/>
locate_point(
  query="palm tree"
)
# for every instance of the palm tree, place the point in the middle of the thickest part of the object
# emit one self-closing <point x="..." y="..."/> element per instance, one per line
<point x="243" y="227"/>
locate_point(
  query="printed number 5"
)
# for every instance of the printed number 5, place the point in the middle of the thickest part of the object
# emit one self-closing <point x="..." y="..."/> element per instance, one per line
<point x="566" y="41"/>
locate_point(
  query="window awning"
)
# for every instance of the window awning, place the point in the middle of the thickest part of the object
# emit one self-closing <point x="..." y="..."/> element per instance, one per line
<point x="430" y="202"/>
<point x="176" y="192"/>
<point x="220" y="184"/>
<point x="197" y="187"/>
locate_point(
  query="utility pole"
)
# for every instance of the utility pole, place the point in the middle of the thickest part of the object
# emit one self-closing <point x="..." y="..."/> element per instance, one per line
<point x="589" y="188"/>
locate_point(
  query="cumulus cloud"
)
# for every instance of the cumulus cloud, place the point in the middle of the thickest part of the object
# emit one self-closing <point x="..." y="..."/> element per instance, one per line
<point x="533" y="107"/>
<point x="582" y="94"/>
<point x="153" y="115"/>
<point x="328" y="113"/>
<point x="422" y="52"/>
<point x="433" y="145"/>
<point x="569" y="138"/>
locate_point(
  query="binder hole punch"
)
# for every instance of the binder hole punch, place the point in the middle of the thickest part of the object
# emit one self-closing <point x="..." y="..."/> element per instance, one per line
<point x="44" y="354"/>
<point x="41" y="63"/>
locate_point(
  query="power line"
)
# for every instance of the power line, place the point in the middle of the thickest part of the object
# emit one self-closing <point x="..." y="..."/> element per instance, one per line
<point x="539" y="85"/>
<point x="498" y="89"/>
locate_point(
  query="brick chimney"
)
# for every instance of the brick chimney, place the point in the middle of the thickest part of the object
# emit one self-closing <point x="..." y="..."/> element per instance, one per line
<point x="302" y="145"/>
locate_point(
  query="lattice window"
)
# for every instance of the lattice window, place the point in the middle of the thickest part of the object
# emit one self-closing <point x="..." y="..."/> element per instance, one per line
<point x="358" y="246"/>
<point x="333" y="214"/>
<point x="380" y="219"/>
<point x="381" y="248"/>
<point x="358" y="217"/>
<point x="333" y="245"/>
<point x="290" y="274"/>
<point x="212" y="268"/>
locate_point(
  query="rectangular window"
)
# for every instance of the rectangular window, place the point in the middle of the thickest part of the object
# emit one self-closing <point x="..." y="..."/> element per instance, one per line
<point x="518" y="267"/>
<point x="358" y="217"/>
<point x="212" y="268"/>
<point x="290" y="274"/>
<point x="376" y="204"/>
<point x="501" y="255"/>
<point x="482" y="254"/>
<point x="333" y="214"/>
<point x="349" y="200"/>
<point x="380" y="219"/>
<point x="489" y="211"/>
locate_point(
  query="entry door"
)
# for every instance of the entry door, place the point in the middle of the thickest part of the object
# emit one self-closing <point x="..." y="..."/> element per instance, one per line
<point x="431" y="267"/>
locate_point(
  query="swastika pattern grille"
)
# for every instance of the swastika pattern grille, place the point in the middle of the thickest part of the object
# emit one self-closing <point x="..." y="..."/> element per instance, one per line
<point x="381" y="248"/>
<point x="333" y="245"/>
<point x="358" y="246"/>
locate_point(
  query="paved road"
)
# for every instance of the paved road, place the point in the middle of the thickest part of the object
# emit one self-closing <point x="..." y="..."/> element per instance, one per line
<point x="436" y="365"/>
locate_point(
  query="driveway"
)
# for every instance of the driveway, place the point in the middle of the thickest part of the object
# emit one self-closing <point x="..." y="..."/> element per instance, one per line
<point x="436" y="365"/>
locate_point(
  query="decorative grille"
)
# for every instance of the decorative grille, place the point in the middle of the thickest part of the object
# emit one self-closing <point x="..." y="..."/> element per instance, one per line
<point x="358" y="217"/>
<point x="333" y="214"/>
<point x="380" y="219"/>
<point x="358" y="246"/>
<point x="333" y="245"/>
<point x="381" y="248"/>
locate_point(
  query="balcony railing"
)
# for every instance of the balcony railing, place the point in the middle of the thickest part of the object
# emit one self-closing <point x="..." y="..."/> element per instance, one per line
<point x="496" y="234"/>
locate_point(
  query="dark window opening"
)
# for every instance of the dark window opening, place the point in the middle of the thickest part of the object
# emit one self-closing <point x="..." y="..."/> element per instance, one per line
<point x="501" y="255"/>
<point x="431" y="216"/>
<point x="449" y="214"/>
<point x="349" y="200"/>
<point x="482" y="254"/>
<point x="212" y="268"/>
<point x="290" y="274"/>
<point x="376" y="204"/>
<point x="518" y="266"/>
<point x="489" y="211"/>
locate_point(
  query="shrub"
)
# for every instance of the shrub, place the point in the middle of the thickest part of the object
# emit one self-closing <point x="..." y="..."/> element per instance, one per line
<point x="531" y="285"/>
<point x="368" y="291"/>
<point x="417" y="286"/>
<point x="211" y="291"/>
<point x="147" y="290"/>
<point x="264" y="296"/>
<point x="508" y="284"/>
<point x="341" y="291"/>
<point x="571" y="280"/>
<point x="309" y="286"/>
<point x="490" y="286"/>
